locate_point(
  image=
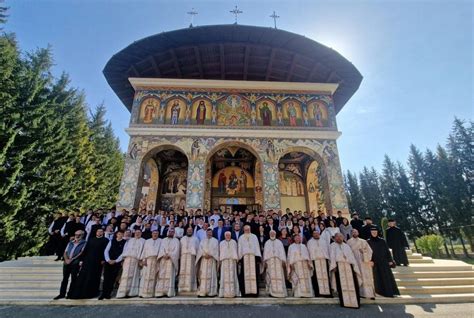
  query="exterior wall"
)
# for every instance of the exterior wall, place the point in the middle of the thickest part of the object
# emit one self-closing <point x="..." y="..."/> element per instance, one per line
<point x="153" y="129"/>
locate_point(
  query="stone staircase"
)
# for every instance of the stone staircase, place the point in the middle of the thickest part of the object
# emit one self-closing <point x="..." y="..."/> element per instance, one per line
<point x="36" y="280"/>
<point x="428" y="278"/>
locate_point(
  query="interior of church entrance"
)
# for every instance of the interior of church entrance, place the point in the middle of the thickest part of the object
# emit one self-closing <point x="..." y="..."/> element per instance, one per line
<point x="302" y="182"/>
<point x="235" y="180"/>
<point x="164" y="181"/>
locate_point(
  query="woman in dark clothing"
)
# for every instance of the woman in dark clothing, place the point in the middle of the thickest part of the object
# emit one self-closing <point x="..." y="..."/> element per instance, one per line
<point x="384" y="280"/>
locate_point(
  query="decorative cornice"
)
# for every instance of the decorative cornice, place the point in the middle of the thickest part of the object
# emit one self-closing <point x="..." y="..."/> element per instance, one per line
<point x="167" y="83"/>
<point x="237" y="133"/>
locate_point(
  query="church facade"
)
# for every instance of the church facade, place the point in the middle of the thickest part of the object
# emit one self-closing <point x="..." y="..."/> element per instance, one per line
<point x="206" y="142"/>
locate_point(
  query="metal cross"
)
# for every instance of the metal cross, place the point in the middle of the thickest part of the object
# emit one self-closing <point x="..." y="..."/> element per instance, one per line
<point x="275" y="17"/>
<point x="192" y="13"/>
<point x="236" y="12"/>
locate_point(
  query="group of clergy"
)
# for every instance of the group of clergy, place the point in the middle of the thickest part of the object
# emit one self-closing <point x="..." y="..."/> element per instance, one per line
<point x="158" y="267"/>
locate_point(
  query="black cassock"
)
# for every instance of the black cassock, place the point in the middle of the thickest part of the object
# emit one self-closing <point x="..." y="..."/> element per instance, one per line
<point x="384" y="280"/>
<point x="88" y="281"/>
<point x="397" y="241"/>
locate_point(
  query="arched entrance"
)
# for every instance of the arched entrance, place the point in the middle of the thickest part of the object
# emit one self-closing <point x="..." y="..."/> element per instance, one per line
<point x="163" y="180"/>
<point x="234" y="179"/>
<point x="303" y="182"/>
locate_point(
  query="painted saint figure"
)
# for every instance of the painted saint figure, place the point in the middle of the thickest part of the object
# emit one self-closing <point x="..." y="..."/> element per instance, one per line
<point x="318" y="116"/>
<point x="233" y="182"/>
<point x="201" y="113"/>
<point x="266" y="114"/>
<point x="292" y="114"/>
<point x="175" y="113"/>
<point x="242" y="182"/>
<point x="222" y="182"/>
<point x="149" y="112"/>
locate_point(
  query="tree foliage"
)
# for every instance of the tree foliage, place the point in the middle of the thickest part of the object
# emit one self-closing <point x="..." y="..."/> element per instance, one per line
<point x="53" y="155"/>
<point x="432" y="194"/>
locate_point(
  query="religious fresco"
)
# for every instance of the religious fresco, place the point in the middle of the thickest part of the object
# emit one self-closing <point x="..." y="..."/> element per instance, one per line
<point x="233" y="181"/>
<point x="291" y="184"/>
<point x="149" y="186"/>
<point x="315" y="189"/>
<point x="233" y="110"/>
<point x="196" y="176"/>
<point x="176" y="111"/>
<point x="269" y="151"/>
<point x="229" y="109"/>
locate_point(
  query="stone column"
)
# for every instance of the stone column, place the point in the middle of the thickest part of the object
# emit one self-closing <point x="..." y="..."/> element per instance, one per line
<point x="195" y="188"/>
<point x="131" y="173"/>
<point x="336" y="185"/>
<point x="271" y="188"/>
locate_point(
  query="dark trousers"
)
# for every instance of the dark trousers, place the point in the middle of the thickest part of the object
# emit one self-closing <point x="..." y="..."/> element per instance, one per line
<point x="110" y="275"/>
<point x="69" y="270"/>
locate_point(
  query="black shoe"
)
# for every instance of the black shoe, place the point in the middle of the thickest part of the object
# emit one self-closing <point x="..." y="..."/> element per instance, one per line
<point x="57" y="259"/>
<point x="101" y="297"/>
<point x="58" y="297"/>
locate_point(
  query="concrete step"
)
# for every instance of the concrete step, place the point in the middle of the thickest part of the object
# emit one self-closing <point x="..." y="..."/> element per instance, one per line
<point x="433" y="281"/>
<point x="30" y="276"/>
<point x="34" y="284"/>
<point x="29" y="292"/>
<point x="422" y="260"/>
<point x="30" y="269"/>
<point x="434" y="274"/>
<point x="432" y="290"/>
<point x="414" y="256"/>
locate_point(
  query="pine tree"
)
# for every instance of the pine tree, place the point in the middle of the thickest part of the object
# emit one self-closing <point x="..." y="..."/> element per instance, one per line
<point x="460" y="149"/>
<point x="370" y="190"/>
<point x="356" y="200"/>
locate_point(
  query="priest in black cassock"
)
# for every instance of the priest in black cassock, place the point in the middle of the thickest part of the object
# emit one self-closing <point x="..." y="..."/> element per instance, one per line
<point x="91" y="267"/>
<point x="384" y="280"/>
<point x="397" y="241"/>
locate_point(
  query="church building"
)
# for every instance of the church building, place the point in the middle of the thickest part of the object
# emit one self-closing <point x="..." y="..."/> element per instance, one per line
<point x="232" y="117"/>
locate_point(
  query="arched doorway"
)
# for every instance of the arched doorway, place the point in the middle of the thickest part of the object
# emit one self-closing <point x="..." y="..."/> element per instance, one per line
<point x="163" y="180"/>
<point x="234" y="174"/>
<point x="303" y="182"/>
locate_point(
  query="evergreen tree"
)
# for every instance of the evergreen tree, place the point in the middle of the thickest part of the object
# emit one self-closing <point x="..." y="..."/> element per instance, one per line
<point x="356" y="200"/>
<point x="370" y="189"/>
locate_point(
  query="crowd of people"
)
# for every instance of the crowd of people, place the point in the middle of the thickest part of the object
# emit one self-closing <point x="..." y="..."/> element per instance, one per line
<point x="225" y="254"/>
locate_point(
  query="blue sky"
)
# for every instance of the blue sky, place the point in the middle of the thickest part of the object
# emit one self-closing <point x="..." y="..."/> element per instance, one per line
<point x="416" y="57"/>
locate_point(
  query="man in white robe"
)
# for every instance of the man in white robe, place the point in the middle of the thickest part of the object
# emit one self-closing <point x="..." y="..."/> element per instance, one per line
<point x="187" y="269"/>
<point x="363" y="255"/>
<point x="228" y="257"/>
<point x="274" y="260"/>
<point x="168" y="262"/>
<point x="130" y="279"/>
<point x="300" y="269"/>
<point x="345" y="273"/>
<point x="249" y="257"/>
<point x="206" y="265"/>
<point x="319" y="252"/>
<point x="149" y="264"/>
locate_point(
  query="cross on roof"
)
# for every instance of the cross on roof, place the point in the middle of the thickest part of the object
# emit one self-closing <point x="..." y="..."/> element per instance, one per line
<point x="192" y="13"/>
<point x="236" y="12"/>
<point x="274" y="16"/>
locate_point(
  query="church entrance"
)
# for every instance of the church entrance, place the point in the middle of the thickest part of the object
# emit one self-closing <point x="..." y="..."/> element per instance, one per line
<point x="302" y="181"/>
<point x="164" y="181"/>
<point x="235" y="180"/>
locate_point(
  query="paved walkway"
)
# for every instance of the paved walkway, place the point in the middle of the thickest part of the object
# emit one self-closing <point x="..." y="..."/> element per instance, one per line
<point x="233" y="311"/>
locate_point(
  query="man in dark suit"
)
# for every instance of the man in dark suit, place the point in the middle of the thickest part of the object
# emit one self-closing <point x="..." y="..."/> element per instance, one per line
<point x="271" y="226"/>
<point x="236" y="232"/>
<point x="163" y="229"/>
<point x="218" y="232"/>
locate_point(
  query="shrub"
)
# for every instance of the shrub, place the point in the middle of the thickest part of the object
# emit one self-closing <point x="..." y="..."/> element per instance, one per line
<point x="430" y="244"/>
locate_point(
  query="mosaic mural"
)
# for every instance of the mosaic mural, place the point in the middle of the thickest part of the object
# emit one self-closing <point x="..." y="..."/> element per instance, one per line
<point x="226" y="108"/>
